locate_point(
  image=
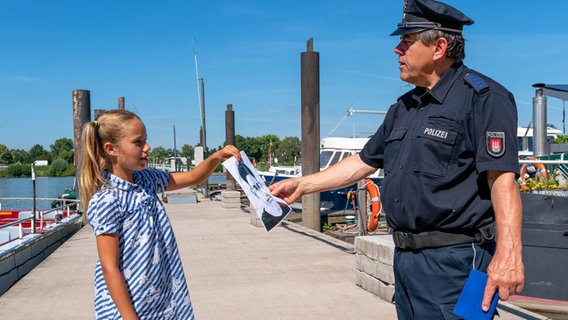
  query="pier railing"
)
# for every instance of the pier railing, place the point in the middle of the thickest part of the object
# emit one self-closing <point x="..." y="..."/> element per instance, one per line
<point x="45" y="216"/>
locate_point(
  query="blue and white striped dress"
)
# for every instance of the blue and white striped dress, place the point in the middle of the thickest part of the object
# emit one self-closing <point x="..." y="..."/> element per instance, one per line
<point x="149" y="257"/>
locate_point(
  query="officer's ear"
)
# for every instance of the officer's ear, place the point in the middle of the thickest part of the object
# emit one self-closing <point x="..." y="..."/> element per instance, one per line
<point x="441" y="47"/>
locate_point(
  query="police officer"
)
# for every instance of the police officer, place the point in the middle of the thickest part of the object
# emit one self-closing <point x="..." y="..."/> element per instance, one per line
<point x="448" y="149"/>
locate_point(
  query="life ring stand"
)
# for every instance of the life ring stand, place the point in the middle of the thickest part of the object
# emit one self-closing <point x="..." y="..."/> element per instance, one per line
<point x="374" y="196"/>
<point x="541" y="169"/>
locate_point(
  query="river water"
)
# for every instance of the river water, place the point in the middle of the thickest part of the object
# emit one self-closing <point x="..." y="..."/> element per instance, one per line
<point x="46" y="187"/>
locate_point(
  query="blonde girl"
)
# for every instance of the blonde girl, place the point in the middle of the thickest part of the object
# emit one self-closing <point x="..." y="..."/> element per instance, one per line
<point x="139" y="274"/>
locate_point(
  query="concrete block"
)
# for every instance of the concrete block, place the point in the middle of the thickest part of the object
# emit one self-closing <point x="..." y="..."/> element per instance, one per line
<point x="384" y="290"/>
<point x="380" y="247"/>
<point x="374" y="268"/>
<point x="229" y="205"/>
<point x="231" y="195"/>
<point x="254" y="219"/>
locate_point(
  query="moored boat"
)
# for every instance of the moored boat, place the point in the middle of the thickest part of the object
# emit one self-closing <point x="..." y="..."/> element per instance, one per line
<point x="332" y="150"/>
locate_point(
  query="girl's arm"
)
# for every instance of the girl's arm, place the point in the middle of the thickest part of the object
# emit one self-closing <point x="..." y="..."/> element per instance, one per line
<point x="200" y="174"/>
<point x="107" y="246"/>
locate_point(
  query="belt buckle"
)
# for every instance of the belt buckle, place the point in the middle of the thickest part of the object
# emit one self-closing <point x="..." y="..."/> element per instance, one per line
<point x="404" y="240"/>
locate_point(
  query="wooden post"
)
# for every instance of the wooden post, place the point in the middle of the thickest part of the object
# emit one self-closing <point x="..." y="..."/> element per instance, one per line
<point x="98" y="112"/>
<point x="230" y="139"/>
<point x="121" y="103"/>
<point x="81" y="115"/>
<point x="310" y="132"/>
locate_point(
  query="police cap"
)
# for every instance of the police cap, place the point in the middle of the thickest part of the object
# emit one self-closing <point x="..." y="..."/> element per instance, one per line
<point x="420" y="15"/>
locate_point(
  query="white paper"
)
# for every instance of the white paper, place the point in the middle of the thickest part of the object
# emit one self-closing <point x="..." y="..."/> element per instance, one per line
<point x="269" y="209"/>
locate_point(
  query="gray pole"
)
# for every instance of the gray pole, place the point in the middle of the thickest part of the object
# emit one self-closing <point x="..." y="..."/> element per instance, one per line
<point x="540" y="143"/>
<point x="33" y="223"/>
<point x="120" y="103"/>
<point x="230" y="139"/>
<point x="204" y="132"/>
<point x="310" y="132"/>
<point x="81" y="115"/>
<point x="175" y="151"/>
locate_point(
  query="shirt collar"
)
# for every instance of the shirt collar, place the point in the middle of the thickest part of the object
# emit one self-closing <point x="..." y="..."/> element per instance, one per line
<point x="441" y="89"/>
<point x="119" y="183"/>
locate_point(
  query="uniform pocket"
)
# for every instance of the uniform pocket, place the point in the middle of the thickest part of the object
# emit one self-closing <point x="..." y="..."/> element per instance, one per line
<point x="393" y="146"/>
<point x="435" y="142"/>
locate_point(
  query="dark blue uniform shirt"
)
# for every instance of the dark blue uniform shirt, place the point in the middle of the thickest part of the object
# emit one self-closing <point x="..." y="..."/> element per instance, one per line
<point x="436" y="145"/>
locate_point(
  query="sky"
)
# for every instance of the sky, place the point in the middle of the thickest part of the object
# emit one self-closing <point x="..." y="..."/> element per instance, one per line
<point x="248" y="54"/>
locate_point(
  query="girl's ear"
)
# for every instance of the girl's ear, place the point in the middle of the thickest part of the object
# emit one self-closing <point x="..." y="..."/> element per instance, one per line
<point x="110" y="149"/>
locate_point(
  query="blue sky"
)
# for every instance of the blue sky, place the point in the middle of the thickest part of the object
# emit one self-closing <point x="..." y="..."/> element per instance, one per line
<point x="249" y="56"/>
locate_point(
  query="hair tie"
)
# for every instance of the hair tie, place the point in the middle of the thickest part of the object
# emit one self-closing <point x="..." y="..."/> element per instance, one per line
<point x="96" y="123"/>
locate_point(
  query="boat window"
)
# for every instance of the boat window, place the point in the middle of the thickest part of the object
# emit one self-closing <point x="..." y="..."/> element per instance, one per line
<point x="335" y="158"/>
<point x="346" y="154"/>
<point x="325" y="156"/>
<point x="530" y="144"/>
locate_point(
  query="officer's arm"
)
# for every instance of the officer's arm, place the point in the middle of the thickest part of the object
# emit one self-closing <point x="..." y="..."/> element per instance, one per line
<point x="506" y="270"/>
<point x="341" y="174"/>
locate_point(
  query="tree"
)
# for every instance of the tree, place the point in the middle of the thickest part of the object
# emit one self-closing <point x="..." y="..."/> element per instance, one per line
<point x="158" y="155"/>
<point x="18" y="156"/>
<point x="37" y="152"/>
<point x="289" y="150"/>
<point x="257" y="148"/>
<point x="58" y="167"/>
<point x="63" y="148"/>
<point x="5" y="155"/>
<point x="186" y="151"/>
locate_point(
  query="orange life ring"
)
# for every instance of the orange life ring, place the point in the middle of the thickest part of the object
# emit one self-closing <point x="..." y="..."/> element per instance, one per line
<point x="538" y="166"/>
<point x="373" y="190"/>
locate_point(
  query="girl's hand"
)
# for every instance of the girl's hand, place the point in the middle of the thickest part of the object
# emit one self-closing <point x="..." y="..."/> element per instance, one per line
<point x="229" y="151"/>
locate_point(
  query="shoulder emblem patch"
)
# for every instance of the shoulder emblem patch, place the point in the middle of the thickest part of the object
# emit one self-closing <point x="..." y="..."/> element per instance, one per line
<point x="495" y="143"/>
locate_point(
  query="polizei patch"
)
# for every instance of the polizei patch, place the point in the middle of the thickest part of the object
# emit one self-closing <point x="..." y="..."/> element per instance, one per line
<point x="495" y="142"/>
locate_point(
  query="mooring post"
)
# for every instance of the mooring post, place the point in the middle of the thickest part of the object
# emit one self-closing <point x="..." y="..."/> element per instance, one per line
<point x="97" y="113"/>
<point x="81" y="115"/>
<point x="120" y="103"/>
<point x="310" y="131"/>
<point x="230" y="139"/>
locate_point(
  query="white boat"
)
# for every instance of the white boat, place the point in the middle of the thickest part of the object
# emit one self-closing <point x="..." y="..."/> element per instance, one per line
<point x="525" y="139"/>
<point x="332" y="150"/>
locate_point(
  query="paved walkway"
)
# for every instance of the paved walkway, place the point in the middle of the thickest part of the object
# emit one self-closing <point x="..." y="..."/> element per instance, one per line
<point x="234" y="269"/>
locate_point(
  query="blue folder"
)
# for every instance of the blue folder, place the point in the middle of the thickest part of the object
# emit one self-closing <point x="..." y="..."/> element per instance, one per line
<point x="469" y="302"/>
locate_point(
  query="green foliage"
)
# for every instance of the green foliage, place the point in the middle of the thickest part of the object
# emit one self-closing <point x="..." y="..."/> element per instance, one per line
<point x="287" y="151"/>
<point x="159" y="154"/>
<point x="61" y="155"/>
<point x="561" y="139"/>
<point x="186" y="151"/>
<point x="37" y="152"/>
<point x="327" y="227"/>
<point x="19" y="170"/>
<point x="58" y="167"/>
<point x="63" y="148"/>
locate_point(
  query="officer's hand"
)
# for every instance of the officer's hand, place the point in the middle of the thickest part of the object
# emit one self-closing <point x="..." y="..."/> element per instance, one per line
<point x="287" y="190"/>
<point x="506" y="274"/>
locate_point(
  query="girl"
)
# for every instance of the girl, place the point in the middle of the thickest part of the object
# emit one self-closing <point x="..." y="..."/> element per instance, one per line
<point x="139" y="273"/>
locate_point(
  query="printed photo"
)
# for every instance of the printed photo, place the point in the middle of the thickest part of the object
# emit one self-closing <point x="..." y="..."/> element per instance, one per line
<point x="270" y="210"/>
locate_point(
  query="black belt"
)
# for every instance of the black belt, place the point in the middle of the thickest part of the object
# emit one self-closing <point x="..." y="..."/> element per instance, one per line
<point x="434" y="239"/>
